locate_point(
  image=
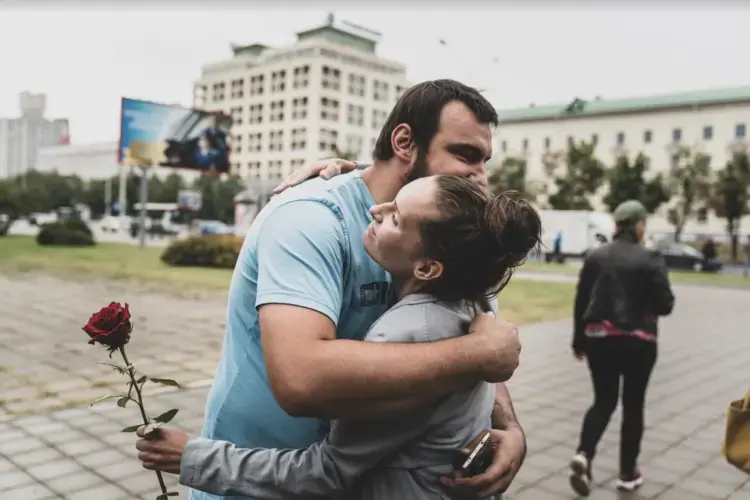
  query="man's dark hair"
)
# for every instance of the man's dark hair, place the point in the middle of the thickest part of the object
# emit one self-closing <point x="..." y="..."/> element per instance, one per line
<point x="420" y="108"/>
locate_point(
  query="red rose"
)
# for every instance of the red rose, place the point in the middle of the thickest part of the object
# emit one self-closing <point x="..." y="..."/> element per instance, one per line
<point x="110" y="326"/>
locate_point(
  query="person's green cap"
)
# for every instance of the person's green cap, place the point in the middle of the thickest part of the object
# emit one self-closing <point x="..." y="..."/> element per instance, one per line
<point x="630" y="211"/>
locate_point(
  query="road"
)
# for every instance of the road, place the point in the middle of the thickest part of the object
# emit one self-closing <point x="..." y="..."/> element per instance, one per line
<point x="728" y="270"/>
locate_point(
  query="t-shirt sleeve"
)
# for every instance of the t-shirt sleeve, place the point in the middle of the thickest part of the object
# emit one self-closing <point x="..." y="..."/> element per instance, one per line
<point x="301" y="253"/>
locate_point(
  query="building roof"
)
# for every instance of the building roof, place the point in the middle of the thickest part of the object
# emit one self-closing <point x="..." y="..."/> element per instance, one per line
<point x="344" y="33"/>
<point x="340" y="32"/>
<point x="254" y="49"/>
<point x="583" y="108"/>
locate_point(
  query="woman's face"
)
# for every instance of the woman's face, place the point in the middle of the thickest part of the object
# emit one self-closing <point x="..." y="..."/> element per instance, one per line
<point x="392" y="239"/>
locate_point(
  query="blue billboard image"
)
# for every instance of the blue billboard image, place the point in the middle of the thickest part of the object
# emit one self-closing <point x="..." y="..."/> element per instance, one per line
<point x="153" y="134"/>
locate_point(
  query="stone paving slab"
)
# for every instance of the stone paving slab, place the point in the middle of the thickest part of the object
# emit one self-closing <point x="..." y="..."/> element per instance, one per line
<point x="46" y="362"/>
<point x="79" y="453"/>
<point x="703" y="359"/>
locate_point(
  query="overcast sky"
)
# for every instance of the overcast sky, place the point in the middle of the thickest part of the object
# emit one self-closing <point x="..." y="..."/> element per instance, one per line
<point x="85" y="59"/>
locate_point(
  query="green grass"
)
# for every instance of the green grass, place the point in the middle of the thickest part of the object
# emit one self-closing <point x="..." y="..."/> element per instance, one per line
<point x="523" y="301"/>
<point x="674" y="276"/>
<point x="529" y="301"/>
<point x="109" y="261"/>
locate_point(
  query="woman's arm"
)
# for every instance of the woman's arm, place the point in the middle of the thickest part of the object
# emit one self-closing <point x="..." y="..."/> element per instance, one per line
<point x="323" y="469"/>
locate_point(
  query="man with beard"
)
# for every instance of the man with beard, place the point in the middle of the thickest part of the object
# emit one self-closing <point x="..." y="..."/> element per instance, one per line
<point x="304" y="292"/>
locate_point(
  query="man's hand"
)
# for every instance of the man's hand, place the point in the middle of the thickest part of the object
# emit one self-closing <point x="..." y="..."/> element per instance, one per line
<point x="509" y="448"/>
<point x="579" y="355"/>
<point x="330" y="167"/>
<point x="162" y="450"/>
<point x="499" y="339"/>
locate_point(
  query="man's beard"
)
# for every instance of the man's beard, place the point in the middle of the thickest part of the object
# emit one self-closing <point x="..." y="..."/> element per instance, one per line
<point x="420" y="168"/>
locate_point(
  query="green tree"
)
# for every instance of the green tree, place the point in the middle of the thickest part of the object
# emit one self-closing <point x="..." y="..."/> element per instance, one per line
<point x="689" y="185"/>
<point x="731" y="198"/>
<point x="627" y="182"/>
<point x="18" y="200"/>
<point x="577" y="179"/>
<point x="95" y="198"/>
<point x="218" y="197"/>
<point x="156" y="189"/>
<point x="53" y="190"/>
<point x="509" y="174"/>
<point x="171" y="187"/>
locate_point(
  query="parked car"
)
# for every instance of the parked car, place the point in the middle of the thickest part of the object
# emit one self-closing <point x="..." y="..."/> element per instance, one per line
<point x="209" y="227"/>
<point x="679" y="256"/>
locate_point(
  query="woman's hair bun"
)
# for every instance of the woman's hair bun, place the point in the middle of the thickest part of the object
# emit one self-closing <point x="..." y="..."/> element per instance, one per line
<point x="513" y="226"/>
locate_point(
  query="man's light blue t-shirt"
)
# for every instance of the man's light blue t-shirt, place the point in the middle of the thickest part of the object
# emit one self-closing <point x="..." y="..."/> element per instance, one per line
<point x="304" y="249"/>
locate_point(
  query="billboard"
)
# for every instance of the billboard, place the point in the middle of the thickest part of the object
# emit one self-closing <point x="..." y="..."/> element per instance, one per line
<point x="153" y="134"/>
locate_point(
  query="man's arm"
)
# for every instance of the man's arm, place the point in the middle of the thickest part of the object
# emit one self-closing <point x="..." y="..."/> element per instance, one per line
<point x="322" y="470"/>
<point x="509" y="443"/>
<point x="662" y="298"/>
<point x="314" y="374"/>
<point x="586" y="280"/>
<point x="302" y="250"/>
<point x="503" y="415"/>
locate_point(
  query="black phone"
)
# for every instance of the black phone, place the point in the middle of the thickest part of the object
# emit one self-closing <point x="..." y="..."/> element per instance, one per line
<point x="478" y="459"/>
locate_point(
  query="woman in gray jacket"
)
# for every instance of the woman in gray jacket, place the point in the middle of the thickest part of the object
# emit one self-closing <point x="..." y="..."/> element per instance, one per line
<point x="446" y="244"/>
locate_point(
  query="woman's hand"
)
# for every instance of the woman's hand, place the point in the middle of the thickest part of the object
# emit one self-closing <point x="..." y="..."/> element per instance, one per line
<point x="330" y="167"/>
<point x="162" y="450"/>
<point x="509" y="448"/>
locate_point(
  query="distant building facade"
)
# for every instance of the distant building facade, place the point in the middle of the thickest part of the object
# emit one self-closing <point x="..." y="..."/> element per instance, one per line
<point x="22" y="137"/>
<point x="714" y="122"/>
<point x="94" y="161"/>
<point x="327" y="92"/>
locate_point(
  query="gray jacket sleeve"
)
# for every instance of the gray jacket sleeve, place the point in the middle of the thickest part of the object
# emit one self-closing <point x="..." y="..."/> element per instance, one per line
<point x="331" y="466"/>
<point x="323" y="469"/>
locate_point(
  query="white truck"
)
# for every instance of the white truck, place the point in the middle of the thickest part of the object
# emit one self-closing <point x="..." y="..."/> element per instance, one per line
<point x="581" y="231"/>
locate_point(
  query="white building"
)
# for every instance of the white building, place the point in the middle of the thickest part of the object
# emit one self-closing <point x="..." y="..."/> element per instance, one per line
<point x="22" y="137"/>
<point x="93" y="161"/>
<point x="87" y="161"/>
<point x="713" y="121"/>
<point x="296" y="104"/>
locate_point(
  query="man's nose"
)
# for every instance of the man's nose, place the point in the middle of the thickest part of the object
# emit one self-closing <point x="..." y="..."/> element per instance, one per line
<point x="480" y="179"/>
<point x="377" y="213"/>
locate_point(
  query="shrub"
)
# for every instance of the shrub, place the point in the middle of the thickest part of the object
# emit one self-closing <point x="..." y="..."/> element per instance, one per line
<point x="67" y="233"/>
<point x="78" y="225"/>
<point x="204" y="251"/>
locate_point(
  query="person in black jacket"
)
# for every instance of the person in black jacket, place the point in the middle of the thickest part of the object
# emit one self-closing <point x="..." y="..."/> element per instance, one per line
<point x="622" y="289"/>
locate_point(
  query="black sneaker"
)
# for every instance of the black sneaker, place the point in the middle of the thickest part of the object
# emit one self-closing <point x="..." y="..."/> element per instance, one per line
<point x="580" y="477"/>
<point x="630" y="482"/>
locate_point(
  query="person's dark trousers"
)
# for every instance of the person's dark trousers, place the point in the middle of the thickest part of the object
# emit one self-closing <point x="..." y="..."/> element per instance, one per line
<point x="611" y="359"/>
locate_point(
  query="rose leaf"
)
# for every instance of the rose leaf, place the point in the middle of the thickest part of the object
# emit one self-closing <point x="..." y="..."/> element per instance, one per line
<point x="104" y="398"/>
<point x="166" y="417"/>
<point x="165" y="381"/>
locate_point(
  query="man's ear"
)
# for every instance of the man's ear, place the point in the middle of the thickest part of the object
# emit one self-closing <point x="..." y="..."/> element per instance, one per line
<point x="427" y="270"/>
<point x="402" y="142"/>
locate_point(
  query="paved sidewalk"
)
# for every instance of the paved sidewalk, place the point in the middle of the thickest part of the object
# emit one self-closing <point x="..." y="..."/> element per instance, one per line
<point x="46" y="362"/>
<point x="79" y="454"/>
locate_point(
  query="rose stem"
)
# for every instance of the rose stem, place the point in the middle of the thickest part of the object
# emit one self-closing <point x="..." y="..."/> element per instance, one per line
<point x="131" y="372"/>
